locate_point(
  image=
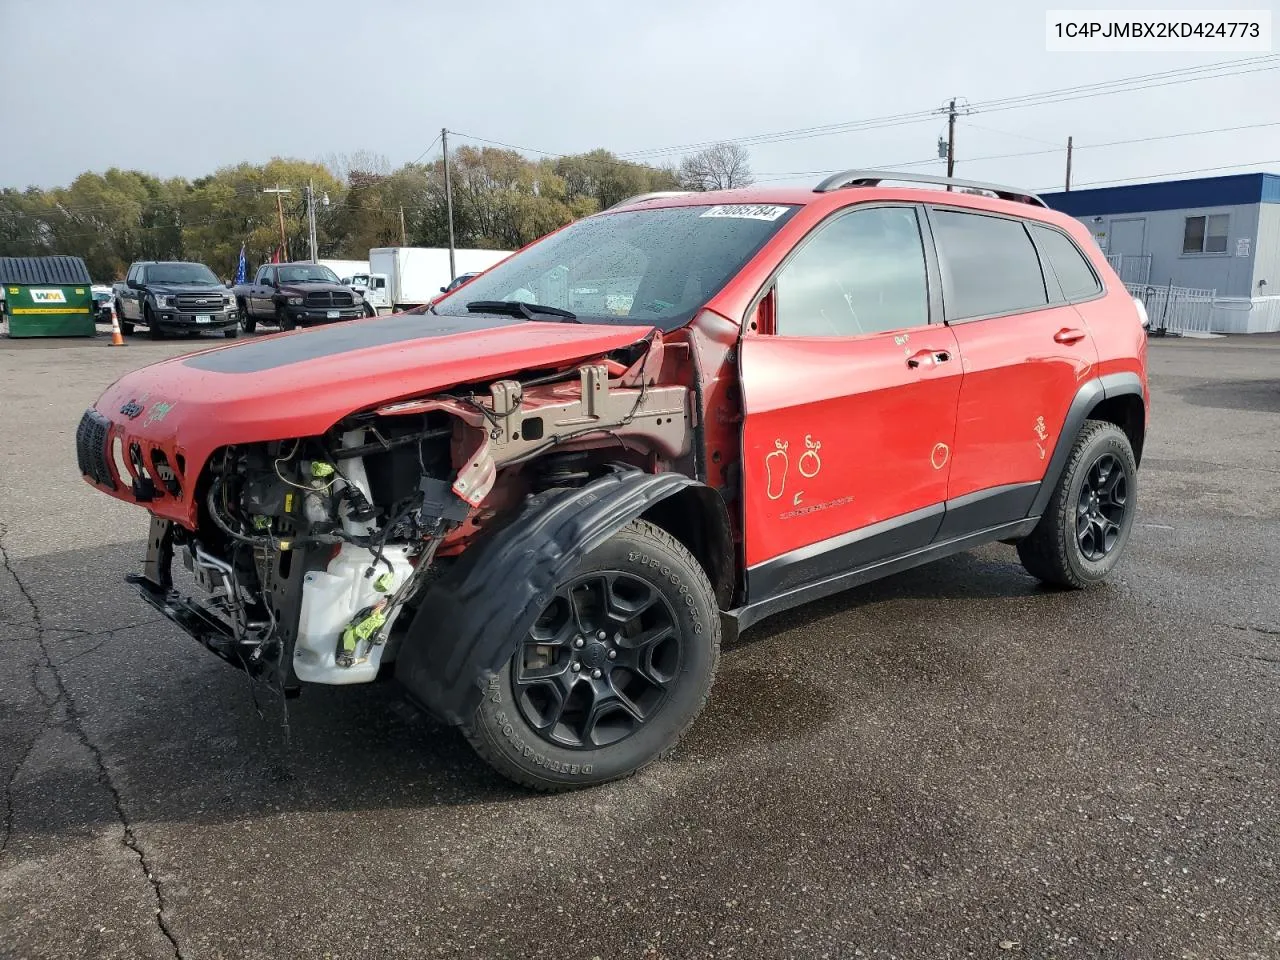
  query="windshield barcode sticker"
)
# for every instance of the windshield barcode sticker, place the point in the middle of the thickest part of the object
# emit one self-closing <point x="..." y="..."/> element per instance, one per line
<point x="747" y="211"/>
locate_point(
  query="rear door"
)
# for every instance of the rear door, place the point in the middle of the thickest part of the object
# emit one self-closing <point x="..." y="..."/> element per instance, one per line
<point x="1025" y="351"/>
<point x="850" y="395"/>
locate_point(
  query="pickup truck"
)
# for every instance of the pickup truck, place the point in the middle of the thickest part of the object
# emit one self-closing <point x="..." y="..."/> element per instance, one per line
<point x="295" y="294"/>
<point x="174" y="297"/>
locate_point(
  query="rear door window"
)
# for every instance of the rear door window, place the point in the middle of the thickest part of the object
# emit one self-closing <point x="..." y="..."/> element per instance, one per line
<point x="989" y="265"/>
<point x="1066" y="270"/>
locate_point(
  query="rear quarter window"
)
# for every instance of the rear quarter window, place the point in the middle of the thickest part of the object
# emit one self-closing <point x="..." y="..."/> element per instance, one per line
<point x="1067" y="271"/>
<point x="989" y="265"/>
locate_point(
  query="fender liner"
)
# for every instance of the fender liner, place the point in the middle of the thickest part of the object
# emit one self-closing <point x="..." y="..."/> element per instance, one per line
<point x="471" y="618"/>
<point x="1090" y="394"/>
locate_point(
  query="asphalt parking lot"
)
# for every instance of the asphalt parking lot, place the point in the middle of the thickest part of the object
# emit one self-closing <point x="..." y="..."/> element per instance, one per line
<point x="949" y="763"/>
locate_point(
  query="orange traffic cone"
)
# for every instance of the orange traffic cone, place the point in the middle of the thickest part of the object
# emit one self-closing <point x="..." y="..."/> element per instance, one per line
<point x="117" y="339"/>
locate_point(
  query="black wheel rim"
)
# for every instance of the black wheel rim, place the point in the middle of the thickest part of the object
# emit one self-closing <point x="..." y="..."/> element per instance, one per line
<point x="600" y="661"/>
<point x="1100" y="511"/>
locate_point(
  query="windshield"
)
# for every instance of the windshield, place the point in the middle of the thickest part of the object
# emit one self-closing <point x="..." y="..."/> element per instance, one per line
<point x="659" y="266"/>
<point x="307" y="273"/>
<point x="195" y="273"/>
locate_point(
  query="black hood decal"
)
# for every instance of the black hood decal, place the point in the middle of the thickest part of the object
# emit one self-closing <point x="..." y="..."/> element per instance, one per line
<point x="274" y="352"/>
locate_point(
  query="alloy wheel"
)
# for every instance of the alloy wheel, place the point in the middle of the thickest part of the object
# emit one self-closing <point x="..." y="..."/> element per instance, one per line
<point x="599" y="662"/>
<point x="1100" y="510"/>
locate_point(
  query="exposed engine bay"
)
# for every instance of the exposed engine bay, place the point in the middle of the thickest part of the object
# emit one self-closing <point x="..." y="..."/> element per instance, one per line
<point x="311" y="551"/>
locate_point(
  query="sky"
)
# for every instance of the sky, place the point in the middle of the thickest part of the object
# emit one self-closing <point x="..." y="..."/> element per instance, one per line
<point x="181" y="87"/>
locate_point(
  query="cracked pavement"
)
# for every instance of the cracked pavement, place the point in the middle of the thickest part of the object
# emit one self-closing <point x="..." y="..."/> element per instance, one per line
<point x="949" y="763"/>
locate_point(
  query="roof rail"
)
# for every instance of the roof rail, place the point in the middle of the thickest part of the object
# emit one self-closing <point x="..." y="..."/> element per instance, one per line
<point x="656" y="195"/>
<point x="871" y="178"/>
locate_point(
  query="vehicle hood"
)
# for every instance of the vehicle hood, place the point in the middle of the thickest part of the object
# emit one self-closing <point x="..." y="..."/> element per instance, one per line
<point x="302" y="289"/>
<point x="302" y="383"/>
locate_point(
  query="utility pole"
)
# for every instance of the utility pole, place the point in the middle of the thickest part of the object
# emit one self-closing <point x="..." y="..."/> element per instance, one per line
<point x="404" y="240"/>
<point x="311" y="217"/>
<point x="1068" y="190"/>
<point x="951" y="139"/>
<point x="278" y="191"/>
<point x="448" y="200"/>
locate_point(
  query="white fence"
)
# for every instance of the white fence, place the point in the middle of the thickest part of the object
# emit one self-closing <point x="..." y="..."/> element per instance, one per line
<point x="1131" y="267"/>
<point x="1176" y="309"/>
<point x="1242" y="315"/>
<point x="1190" y="310"/>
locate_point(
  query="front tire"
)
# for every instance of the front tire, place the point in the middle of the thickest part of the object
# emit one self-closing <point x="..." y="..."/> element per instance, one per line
<point x="1087" y="523"/>
<point x="640" y="620"/>
<point x="126" y="326"/>
<point x="153" y="330"/>
<point x="283" y="319"/>
<point x="231" y="333"/>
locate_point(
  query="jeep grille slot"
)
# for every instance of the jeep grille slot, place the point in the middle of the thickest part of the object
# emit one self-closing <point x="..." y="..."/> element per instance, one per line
<point x="91" y="448"/>
<point x="168" y="479"/>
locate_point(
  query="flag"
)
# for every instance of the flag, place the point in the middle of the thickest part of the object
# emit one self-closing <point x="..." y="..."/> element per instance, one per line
<point x="275" y="255"/>
<point x="241" y="267"/>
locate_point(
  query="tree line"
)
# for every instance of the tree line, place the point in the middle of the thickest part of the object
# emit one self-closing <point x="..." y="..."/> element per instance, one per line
<point x="501" y="200"/>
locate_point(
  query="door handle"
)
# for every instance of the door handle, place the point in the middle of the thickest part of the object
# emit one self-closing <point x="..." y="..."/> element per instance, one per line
<point x="923" y="357"/>
<point x="1069" y="335"/>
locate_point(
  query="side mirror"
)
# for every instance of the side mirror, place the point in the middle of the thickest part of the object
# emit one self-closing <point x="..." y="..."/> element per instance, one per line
<point x="444" y="289"/>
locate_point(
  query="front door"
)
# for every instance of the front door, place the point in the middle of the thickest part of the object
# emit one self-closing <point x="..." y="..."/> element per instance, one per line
<point x="262" y="292"/>
<point x="850" y="403"/>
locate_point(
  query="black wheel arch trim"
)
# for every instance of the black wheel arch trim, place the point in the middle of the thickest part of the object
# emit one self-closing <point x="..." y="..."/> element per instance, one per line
<point x="471" y="619"/>
<point x="1090" y="394"/>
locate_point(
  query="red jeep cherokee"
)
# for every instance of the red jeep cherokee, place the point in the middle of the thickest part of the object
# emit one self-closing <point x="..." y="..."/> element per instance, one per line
<point x="541" y="503"/>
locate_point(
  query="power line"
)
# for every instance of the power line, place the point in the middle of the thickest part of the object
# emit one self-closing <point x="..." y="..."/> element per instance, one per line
<point x="1036" y="153"/>
<point x="1167" y="173"/>
<point x="428" y="150"/>
<point x="1064" y="94"/>
<point x="1007" y="133"/>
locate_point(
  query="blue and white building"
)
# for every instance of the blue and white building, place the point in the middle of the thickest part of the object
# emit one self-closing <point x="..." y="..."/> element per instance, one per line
<point x="1218" y="236"/>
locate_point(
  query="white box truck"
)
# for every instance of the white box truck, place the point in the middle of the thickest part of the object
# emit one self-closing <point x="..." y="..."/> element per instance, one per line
<point x="371" y="286"/>
<point x="417" y="275"/>
<point x="346" y="268"/>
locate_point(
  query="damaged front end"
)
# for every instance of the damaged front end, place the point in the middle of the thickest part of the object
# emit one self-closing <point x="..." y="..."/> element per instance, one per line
<point x="311" y="553"/>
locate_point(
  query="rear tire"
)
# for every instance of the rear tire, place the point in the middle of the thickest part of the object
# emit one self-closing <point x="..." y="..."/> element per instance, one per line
<point x="247" y="322"/>
<point x="1087" y="523"/>
<point x="640" y="685"/>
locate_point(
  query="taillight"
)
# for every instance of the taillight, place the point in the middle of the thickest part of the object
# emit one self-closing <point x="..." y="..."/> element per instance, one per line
<point x="1142" y="312"/>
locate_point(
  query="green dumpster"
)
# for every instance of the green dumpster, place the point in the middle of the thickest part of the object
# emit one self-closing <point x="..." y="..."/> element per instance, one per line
<point x="47" y="297"/>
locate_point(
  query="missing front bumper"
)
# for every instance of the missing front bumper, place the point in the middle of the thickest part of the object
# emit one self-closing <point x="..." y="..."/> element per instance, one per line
<point x="268" y="660"/>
